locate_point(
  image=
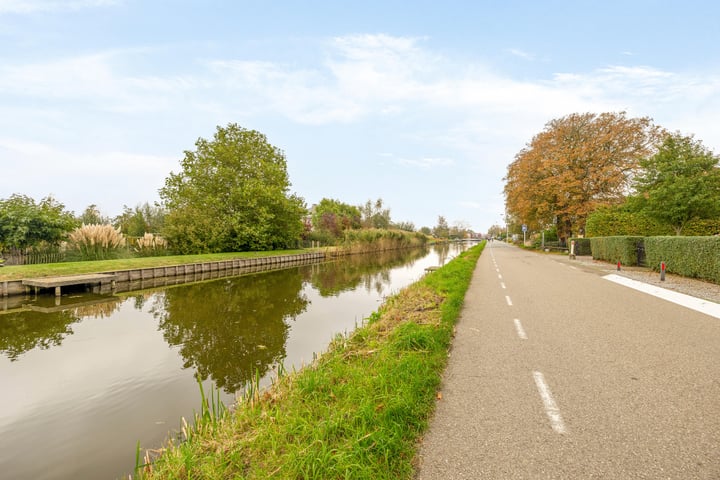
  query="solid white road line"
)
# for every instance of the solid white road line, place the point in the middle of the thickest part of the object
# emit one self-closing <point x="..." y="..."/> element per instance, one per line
<point x="551" y="408"/>
<point x="520" y="329"/>
<point x="509" y="302"/>
<point x="698" y="304"/>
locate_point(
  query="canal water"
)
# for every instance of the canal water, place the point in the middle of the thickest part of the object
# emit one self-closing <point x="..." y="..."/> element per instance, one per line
<point x="84" y="381"/>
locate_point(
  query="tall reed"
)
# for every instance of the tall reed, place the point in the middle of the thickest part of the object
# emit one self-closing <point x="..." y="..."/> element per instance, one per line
<point x="97" y="242"/>
<point x="150" y="245"/>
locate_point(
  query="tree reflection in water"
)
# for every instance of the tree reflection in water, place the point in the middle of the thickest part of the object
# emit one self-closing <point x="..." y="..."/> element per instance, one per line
<point x="230" y="329"/>
<point x="45" y="326"/>
<point x="370" y="270"/>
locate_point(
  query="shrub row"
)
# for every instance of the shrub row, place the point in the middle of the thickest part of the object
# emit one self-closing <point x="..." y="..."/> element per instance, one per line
<point x="582" y="246"/>
<point x="616" y="249"/>
<point x="695" y="257"/>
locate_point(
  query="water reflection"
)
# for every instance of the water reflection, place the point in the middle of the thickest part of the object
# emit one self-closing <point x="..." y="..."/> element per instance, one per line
<point x="41" y="323"/>
<point x="232" y="328"/>
<point x="85" y="380"/>
<point x="371" y="271"/>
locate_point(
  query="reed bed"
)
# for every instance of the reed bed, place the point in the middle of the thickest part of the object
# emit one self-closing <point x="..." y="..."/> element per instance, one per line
<point x="375" y="240"/>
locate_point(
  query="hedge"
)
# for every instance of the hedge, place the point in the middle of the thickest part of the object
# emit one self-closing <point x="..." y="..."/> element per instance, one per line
<point x="695" y="257"/>
<point x="582" y="246"/>
<point x="616" y="249"/>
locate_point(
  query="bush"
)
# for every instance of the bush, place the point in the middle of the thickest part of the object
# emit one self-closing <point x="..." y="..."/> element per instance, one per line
<point x="695" y="257"/>
<point x="616" y="249"/>
<point x="619" y="220"/>
<point x="582" y="246"/>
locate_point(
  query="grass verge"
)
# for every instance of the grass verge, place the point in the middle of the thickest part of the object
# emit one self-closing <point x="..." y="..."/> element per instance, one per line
<point x="356" y="413"/>
<point x="17" y="272"/>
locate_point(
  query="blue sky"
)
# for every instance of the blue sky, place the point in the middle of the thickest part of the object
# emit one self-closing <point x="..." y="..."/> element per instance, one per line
<point x="420" y="103"/>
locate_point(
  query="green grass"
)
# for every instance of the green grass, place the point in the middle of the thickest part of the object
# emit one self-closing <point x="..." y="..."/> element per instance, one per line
<point x="357" y="412"/>
<point x="17" y="272"/>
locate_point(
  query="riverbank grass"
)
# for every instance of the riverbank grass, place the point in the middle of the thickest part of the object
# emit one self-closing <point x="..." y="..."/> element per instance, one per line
<point x="357" y="412"/>
<point x="17" y="272"/>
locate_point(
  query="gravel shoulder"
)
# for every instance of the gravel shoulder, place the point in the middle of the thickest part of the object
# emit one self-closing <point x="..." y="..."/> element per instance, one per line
<point x="688" y="286"/>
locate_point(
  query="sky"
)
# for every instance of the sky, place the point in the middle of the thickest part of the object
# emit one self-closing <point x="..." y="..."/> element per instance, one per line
<point x="422" y="104"/>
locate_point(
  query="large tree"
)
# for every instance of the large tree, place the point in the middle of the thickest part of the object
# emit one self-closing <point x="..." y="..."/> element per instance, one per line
<point x="144" y="218"/>
<point x="680" y="183"/>
<point x="579" y="162"/>
<point x="232" y="195"/>
<point x="374" y="215"/>
<point x="24" y="223"/>
<point x="334" y="217"/>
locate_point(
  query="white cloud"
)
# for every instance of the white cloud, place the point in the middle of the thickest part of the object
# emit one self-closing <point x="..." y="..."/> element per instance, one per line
<point x="114" y="177"/>
<point x="521" y="53"/>
<point x="33" y="6"/>
<point x="427" y="163"/>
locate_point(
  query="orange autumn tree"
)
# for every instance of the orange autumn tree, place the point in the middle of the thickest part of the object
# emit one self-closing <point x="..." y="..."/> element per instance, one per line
<point x="578" y="163"/>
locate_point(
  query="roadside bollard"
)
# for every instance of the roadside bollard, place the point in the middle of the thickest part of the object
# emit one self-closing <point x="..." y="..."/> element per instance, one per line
<point x="662" y="271"/>
<point x="618" y="266"/>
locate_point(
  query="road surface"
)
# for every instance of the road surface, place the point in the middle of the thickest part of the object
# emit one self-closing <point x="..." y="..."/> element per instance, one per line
<point x="559" y="373"/>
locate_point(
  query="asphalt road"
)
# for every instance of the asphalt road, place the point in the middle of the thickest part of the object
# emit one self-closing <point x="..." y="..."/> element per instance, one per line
<point x="557" y="373"/>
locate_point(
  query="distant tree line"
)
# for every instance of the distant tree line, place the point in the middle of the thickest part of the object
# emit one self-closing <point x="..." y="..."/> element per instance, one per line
<point x="232" y="193"/>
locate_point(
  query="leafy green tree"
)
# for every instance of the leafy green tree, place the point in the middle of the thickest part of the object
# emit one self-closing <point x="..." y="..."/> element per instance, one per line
<point x="334" y="217"/>
<point x="426" y="230"/>
<point x="144" y="218"/>
<point x="232" y="195"/>
<point x="442" y="229"/>
<point x="92" y="216"/>
<point x="24" y="223"/>
<point x="374" y="215"/>
<point x="680" y="183"/>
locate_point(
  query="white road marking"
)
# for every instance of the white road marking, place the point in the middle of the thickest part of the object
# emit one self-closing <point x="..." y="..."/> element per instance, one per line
<point x="520" y="329"/>
<point x="502" y="284"/>
<point x="551" y="408"/>
<point x="497" y="270"/>
<point x="698" y="304"/>
<point x="500" y="276"/>
<point x="507" y="299"/>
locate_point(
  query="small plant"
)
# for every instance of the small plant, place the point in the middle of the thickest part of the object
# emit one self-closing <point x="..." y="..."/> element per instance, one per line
<point x="97" y="242"/>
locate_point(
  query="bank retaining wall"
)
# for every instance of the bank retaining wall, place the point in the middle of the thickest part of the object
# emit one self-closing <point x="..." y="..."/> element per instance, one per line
<point x="138" y="278"/>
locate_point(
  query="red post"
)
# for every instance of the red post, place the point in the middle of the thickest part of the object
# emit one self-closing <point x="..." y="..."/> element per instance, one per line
<point x="618" y="266"/>
<point x="662" y="271"/>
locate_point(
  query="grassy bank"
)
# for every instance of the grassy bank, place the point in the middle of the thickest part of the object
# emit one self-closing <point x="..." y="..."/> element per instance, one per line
<point x="357" y="412"/>
<point x="17" y="272"/>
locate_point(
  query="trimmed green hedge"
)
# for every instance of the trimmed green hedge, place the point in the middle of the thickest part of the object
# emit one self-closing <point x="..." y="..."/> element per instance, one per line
<point x="582" y="246"/>
<point x="616" y="249"/>
<point x="695" y="257"/>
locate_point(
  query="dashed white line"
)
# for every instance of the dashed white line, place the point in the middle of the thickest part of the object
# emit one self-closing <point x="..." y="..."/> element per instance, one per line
<point x="499" y="276"/>
<point x="520" y="329"/>
<point x="502" y="285"/>
<point x="507" y="299"/>
<point x="551" y="408"/>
